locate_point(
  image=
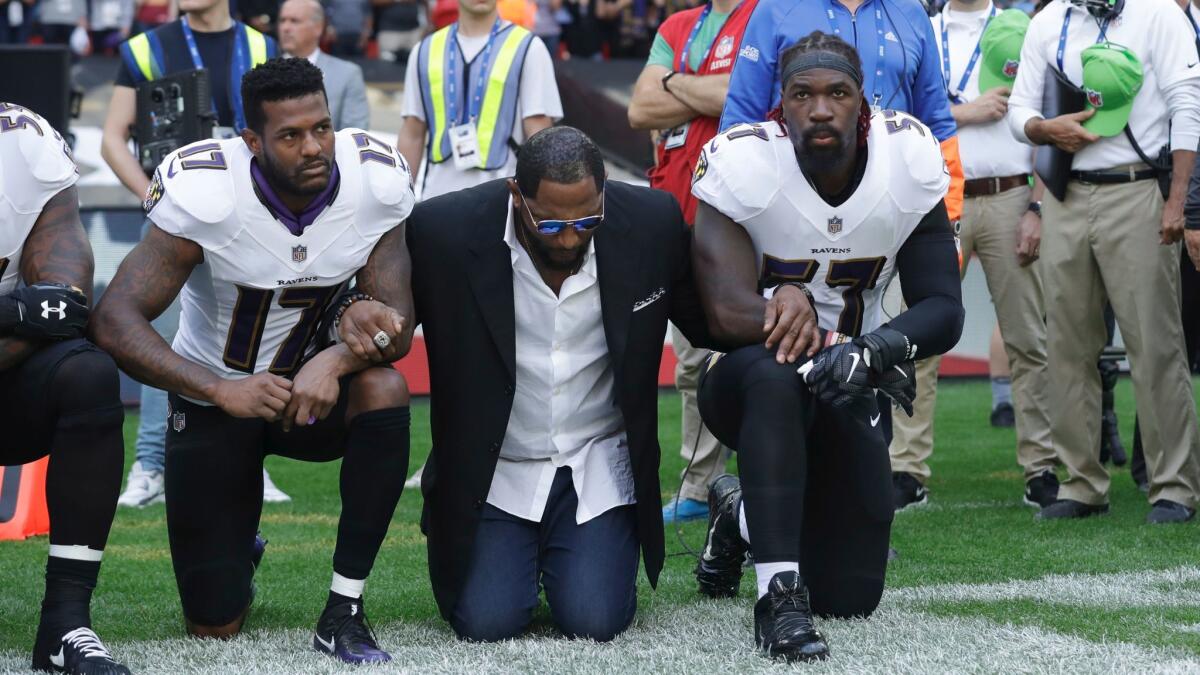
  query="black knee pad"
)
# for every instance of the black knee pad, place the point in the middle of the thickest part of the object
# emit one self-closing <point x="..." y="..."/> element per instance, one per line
<point x="768" y="370"/>
<point x="85" y="379"/>
<point x="215" y="593"/>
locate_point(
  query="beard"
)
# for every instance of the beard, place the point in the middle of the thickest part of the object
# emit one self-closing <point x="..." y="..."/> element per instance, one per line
<point x="548" y="257"/>
<point x="290" y="182"/>
<point x="820" y="157"/>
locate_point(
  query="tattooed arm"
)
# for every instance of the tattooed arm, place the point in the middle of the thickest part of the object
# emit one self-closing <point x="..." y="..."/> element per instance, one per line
<point x="148" y="280"/>
<point x="56" y="250"/>
<point x="386" y="277"/>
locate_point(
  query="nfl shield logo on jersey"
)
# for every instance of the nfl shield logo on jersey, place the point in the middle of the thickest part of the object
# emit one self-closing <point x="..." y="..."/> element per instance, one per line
<point x="299" y="253"/>
<point x="178" y="421"/>
<point x="835" y="225"/>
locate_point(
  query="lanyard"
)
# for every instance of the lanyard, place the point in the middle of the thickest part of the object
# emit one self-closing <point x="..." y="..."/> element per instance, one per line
<point x="1195" y="27"/>
<point x="687" y="46"/>
<point x="834" y="25"/>
<point x="1062" y="38"/>
<point x="198" y="62"/>
<point x="476" y="101"/>
<point x="962" y="83"/>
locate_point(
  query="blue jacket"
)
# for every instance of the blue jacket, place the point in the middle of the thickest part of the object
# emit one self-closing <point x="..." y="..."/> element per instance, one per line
<point x="909" y="79"/>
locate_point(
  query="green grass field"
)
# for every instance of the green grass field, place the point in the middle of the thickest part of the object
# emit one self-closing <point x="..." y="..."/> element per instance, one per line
<point x="979" y="585"/>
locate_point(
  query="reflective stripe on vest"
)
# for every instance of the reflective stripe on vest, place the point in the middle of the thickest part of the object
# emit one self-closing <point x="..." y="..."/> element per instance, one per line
<point x="498" y="111"/>
<point x="148" y="62"/>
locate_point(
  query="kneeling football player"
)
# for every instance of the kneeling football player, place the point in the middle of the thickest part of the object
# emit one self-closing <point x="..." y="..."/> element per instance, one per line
<point x="262" y="234"/>
<point x="61" y="393"/>
<point x="831" y="200"/>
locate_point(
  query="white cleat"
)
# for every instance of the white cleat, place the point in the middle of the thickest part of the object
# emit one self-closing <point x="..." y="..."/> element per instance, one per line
<point x="272" y="493"/>
<point x="142" y="488"/>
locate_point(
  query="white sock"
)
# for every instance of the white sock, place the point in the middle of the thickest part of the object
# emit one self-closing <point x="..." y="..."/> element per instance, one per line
<point x="351" y="588"/>
<point x="76" y="552"/>
<point x="765" y="572"/>
<point x="742" y="526"/>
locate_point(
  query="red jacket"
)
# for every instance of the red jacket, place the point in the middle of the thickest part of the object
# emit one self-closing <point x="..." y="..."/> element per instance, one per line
<point x="673" y="171"/>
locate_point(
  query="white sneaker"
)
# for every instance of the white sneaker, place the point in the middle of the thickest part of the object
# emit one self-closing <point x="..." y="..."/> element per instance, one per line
<point x="142" y="488"/>
<point x="272" y="493"/>
<point x="414" y="481"/>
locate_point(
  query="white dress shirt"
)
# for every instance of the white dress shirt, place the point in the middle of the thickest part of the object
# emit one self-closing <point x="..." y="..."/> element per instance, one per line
<point x="564" y="411"/>
<point x="987" y="150"/>
<point x="1159" y="34"/>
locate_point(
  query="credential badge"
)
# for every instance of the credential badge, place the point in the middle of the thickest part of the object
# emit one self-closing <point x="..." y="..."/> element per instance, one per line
<point x="299" y="253"/>
<point x="835" y="225"/>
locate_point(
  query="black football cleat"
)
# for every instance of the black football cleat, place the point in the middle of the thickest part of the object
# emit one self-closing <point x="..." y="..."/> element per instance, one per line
<point x="76" y="651"/>
<point x="719" y="570"/>
<point x="1069" y="508"/>
<point x="1042" y="490"/>
<point x="783" y="622"/>
<point x="1166" y="511"/>
<point x="907" y="490"/>
<point x="1003" y="416"/>
<point x="343" y="633"/>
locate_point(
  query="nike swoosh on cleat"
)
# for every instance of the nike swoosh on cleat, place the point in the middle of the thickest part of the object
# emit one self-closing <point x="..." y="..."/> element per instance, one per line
<point x="58" y="659"/>
<point x="853" y="367"/>
<point x="875" y="419"/>
<point x="327" y="644"/>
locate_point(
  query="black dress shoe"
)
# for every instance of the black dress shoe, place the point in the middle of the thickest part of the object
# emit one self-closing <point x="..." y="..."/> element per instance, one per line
<point x="1042" y="490"/>
<point x="1069" y="508"/>
<point x="1167" y="511"/>
<point x="907" y="490"/>
<point x="719" y="570"/>
<point x="1004" y="416"/>
<point x="783" y="622"/>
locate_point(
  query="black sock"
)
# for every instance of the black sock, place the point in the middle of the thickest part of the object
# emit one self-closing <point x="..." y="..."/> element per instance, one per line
<point x="336" y="598"/>
<point x="69" y="586"/>
<point x="373" y="472"/>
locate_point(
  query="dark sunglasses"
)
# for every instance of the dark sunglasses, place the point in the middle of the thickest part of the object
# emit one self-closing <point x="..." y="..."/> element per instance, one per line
<point x="551" y="226"/>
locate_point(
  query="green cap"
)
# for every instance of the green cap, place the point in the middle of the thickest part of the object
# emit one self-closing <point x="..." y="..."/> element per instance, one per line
<point x="1112" y="77"/>
<point x="1000" y="49"/>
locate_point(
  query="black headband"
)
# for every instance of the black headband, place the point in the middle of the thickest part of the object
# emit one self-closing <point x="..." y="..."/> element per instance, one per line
<point x="822" y="60"/>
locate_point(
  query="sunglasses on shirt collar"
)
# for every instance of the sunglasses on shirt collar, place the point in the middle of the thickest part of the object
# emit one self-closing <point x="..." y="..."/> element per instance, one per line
<point x="551" y="226"/>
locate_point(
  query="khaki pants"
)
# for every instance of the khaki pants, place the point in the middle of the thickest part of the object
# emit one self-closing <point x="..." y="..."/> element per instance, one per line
<point x="1103" y="243"/>
<point x="989" y="230"/>
<point x="710" y="455"/>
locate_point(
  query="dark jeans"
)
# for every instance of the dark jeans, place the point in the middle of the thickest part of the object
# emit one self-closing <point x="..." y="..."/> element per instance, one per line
<point x="589" y="571"/>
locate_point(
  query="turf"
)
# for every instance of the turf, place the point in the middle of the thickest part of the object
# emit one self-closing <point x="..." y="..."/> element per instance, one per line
<point x="992" y="584"/>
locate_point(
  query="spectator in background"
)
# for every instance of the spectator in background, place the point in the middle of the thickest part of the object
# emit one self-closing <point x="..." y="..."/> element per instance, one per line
<point x="16" y="21"/>
<point x="521" y="12"/>
<point x="469" y="137"/>
<point x="546" y="26"/>
<point x="300" y="25"/>
<point x="400" y="27"/>
<point x="680" y="93"/>
<point x="214" y="32"/>
<point x="444" y="13"/>
<point x="262" y="15"/>
<point x="109" y="24"/>
<point x="348" y="26"/>
<point x="59" y="19"/>
<point x="634" y="23"/>
<point x="151" y="14"/>
<point x="1114" y="237"/>
<point x="586" y="34"/>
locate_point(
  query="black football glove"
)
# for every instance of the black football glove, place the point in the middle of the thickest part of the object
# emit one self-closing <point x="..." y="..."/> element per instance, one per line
<point x="44" y="311"/>
<point x="888" y="346"/>
<point x="839" y="374"/>
<point x="899" y="383"/>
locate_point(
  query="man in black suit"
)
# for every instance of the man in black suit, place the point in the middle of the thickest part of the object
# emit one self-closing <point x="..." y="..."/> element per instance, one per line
<point x="544" y="301"/>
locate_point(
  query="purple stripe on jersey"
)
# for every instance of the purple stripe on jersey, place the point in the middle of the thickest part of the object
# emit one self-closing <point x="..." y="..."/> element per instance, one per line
<point x="294" y="223"/>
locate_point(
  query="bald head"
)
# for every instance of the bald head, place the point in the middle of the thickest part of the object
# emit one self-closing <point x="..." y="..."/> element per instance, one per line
<point x="301" y="23"/>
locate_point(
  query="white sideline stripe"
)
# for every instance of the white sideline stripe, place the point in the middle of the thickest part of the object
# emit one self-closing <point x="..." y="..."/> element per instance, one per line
<point x="1178" y="587"/>
<point x="708" y="636"/>
<point x="75" y="552"/>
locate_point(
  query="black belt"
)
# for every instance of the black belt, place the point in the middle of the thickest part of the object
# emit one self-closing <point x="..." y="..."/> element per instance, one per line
<point x="1113" y="177"/>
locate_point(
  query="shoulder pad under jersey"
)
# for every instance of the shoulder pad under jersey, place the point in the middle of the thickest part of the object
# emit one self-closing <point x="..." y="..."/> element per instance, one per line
<point x="737" y="172"/>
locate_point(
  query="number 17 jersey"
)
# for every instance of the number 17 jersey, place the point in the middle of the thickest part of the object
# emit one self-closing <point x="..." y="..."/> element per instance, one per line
<point x="254" y="303"/>
<point x="845" y="254"/>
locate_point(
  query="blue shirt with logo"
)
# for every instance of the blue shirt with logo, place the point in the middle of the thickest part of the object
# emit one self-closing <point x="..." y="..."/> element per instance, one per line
<point x="907" y="77"/>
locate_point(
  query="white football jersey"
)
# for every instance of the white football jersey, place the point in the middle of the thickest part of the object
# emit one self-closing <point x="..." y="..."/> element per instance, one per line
<point x="35" y="165"/>
<point x="255" y="301"/>
<point x="845" y="254"/>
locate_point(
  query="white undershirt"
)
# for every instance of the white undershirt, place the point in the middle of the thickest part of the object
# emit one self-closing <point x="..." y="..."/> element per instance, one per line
<point x="1161" y="37"/>
<point x="564" y="410"/>
<point x="989" y="149"/>
<point x="538" y="95"/>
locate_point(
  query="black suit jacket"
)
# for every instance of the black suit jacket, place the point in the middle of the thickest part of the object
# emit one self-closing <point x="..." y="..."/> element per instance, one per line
<point x="463" y="289"/>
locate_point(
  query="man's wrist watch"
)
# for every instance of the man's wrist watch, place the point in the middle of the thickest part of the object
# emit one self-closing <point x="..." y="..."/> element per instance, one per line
<point x="1035" y="208"/>
<point x="665" y="78"/>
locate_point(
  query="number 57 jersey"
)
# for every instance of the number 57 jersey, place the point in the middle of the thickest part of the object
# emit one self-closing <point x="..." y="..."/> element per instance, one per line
<point x="845" y="254"/>
<point x="254" y="303"/>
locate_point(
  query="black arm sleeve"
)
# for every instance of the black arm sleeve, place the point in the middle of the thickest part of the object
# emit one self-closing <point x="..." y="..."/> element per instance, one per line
<point x="928" y="267"/>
